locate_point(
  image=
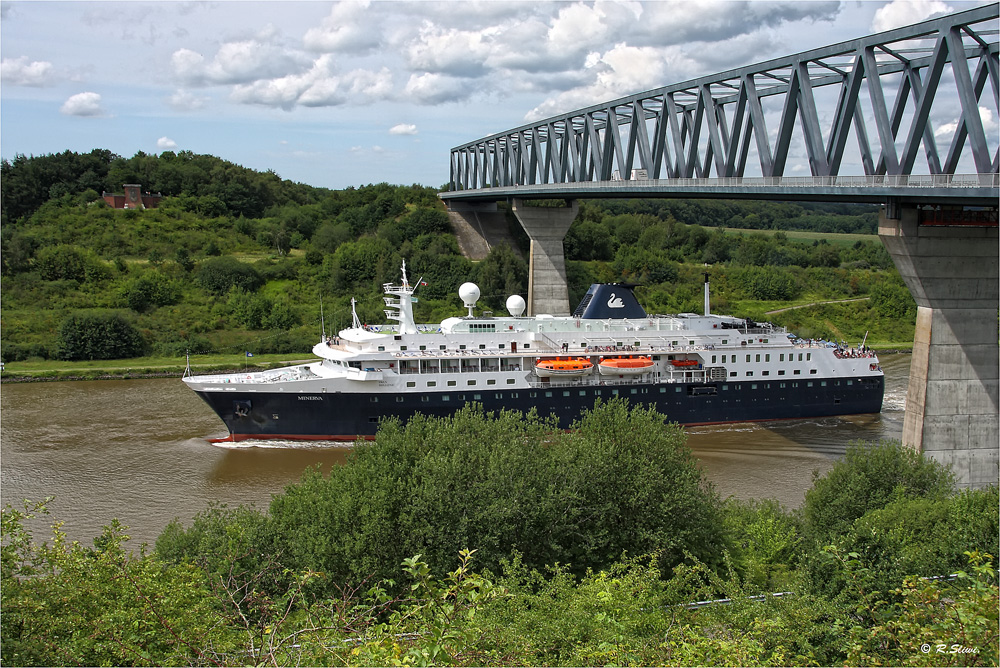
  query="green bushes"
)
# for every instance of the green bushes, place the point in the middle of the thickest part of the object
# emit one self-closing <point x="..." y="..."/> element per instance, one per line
<point x="219" y="275"/>
<point x="98" y="335"/>
<point x="623" y="482"/>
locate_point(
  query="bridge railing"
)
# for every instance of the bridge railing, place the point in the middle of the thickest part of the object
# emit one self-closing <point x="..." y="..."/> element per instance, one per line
<point x="900" y="182"/>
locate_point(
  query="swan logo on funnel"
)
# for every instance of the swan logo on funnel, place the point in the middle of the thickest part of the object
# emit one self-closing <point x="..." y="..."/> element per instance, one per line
<point x="615" y="302"/>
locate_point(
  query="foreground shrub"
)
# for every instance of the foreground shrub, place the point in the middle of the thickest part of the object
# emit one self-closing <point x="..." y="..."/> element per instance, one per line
<point x="621" y="481"/>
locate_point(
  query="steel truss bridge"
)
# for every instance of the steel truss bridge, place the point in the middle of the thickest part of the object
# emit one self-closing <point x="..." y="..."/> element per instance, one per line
<point x="780" y="129"/>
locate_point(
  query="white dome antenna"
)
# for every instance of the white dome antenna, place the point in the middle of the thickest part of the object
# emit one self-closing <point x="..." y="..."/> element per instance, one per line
<point x="469" y="292"/>
<point x="515" y="305"/>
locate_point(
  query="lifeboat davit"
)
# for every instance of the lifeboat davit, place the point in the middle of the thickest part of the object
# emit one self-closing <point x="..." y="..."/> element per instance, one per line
<point x="563" y="367"/>
<point x="625" y="366"/>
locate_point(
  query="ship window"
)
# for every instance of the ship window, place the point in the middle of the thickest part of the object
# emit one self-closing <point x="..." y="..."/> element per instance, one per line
<point x="795" y="384"/>
<point x="442" y="347"/>
<point x="809" y="383"/>
<point x="749" y="373"/>
<point x="399" y="400"/>
<point x="748" y="358"/>
<point x="498" y="395"/>
<point x="732" y="374"/>
<point x="850" y="382"/>
<point x="451" y="383"/>
<point x="402" y="347"/>
<point x="663" y="390"/>
<point x="781" y="357"/>
<point x="614" y="393"/>
<point x="503" y="346"/>
<point x="800" y="357"/>
<point x="411" y="384"/>
<point x="677" y="389"/>
<point x="781" y="372"/>
<point x="482" y="346"/>
<point x="381" y="349"/>
<point x="713" y="359"/>
<point x="756" y="360"/>
<point x="491" y="381"/>
<point x="471" y="382"/>
<point x="423" y="347"/>
<point x="809" y="356"/>
<point x="432" y="383"/>
<point x="822" y="383"/>
<point x="767" y="358"/>
<point x="565" y="393"/>
<point x="673" y="343"/>
<point x="583" y="393"/>
<point x="765" y="373"/>
<point x="373" y="400"/>
<point x="476" y="397"/>
<point x="797" y="372"/>
<point x="510" y="381"/>
<point x="548" y="393"/>
<point x="424" y="398"/>
<point x="781" y="385"/>
<point x="532" y="394"/>
<point x="527" y="345"/>
<point x="445" y="397"/>
<point x="812" y="371"/>
<point x="690" y="343"/>
<point x="725" y="387"/>
<point x="462" y="347"/>
<point x="725" y="341"/>
<point x="753" y="386"/>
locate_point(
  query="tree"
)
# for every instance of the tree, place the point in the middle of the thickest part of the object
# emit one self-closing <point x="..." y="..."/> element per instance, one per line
<point x="621" y="481"/>
<point x="868" y="477"/>
<point x="219" y="275"/>
<point x="98" y="335"/>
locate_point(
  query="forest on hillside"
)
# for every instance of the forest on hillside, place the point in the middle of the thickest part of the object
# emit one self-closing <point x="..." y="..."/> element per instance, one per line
<point x="234" y="260"/>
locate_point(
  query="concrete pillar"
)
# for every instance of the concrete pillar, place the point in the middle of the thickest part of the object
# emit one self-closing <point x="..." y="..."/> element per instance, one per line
<point x="952" y="400"/>
<point x="546" y="227"/>
<point x="478" y="227"/>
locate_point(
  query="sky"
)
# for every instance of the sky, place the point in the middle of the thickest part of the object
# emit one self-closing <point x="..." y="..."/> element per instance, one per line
<point x="339" y="94"/>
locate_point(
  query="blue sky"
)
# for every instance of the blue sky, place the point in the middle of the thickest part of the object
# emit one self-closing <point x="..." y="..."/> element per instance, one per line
<point x="349" y="93"/>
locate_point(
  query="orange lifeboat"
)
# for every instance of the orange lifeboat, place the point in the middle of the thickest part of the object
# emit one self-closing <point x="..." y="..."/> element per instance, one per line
<point x="684" y="363"/>
<point x="563" y="367"/>
<point x="625" y="366"/>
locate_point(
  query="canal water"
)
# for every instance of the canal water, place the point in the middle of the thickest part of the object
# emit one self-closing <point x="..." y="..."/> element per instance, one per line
<point x="137" y="450"/>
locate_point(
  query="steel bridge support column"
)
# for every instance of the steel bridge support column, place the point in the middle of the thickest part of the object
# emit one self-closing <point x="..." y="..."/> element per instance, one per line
<point x="546" y="227"/>
<point x="952" y="400"/>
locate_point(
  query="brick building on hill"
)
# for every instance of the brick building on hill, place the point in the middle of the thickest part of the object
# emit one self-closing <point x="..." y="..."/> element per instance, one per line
<point x="133" y="198"/>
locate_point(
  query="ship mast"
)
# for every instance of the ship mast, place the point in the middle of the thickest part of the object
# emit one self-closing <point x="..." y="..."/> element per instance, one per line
<point x="401" y="310"/>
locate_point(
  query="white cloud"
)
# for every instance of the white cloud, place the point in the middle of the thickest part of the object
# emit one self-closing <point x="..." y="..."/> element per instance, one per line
<point x="347" y="29"/>
<point x="433" y="88"/>
<point x="900" y="13"/>
<point x="321" y="86"/>
<point x="83" y="104"/>
<point x="183" y="100"/>
<point x="20" y="72"/>
<point x="403" y="129"/>
<point x="166" y="144"/>
<point x="240" y="62"/>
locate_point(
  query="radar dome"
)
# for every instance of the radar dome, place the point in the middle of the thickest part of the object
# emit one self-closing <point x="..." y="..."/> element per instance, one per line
<point x="469" y="292"/>
<point x="515" y="305"/>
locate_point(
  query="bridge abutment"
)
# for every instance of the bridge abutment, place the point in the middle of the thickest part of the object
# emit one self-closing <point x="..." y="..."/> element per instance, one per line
<point x="546" y="227"/>
<point x="952" y="399"/>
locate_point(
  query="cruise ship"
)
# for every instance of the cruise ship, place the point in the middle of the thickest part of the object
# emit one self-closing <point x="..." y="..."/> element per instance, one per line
<point x="693" y="368"/>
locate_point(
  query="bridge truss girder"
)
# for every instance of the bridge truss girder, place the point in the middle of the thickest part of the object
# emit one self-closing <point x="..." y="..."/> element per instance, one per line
<point x="715" y="126"/>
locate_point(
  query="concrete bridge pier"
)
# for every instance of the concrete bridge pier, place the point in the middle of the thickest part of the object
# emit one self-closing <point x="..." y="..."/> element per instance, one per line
<point x="546" y="227"/>
<point x="952" y="400"/>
